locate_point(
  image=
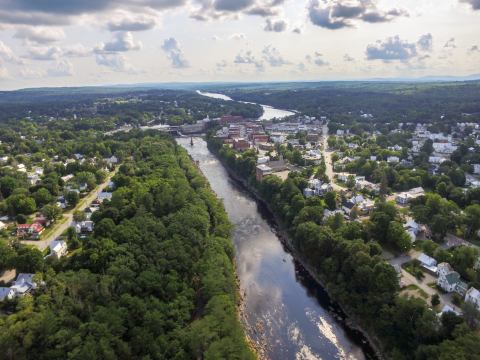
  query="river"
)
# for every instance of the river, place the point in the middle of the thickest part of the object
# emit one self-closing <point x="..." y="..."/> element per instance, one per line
<point x="269" y="112"/>
<point x="285" y="311"/>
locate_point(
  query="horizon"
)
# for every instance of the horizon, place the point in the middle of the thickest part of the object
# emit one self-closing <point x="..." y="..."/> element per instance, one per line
<point x="169" y="41"/>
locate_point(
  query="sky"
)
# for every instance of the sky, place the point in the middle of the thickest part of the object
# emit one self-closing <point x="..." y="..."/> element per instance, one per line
<point x="100" y="42"/>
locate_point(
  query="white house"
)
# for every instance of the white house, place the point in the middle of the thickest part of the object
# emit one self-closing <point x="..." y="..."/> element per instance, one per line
<point x="405" y="197"/>
<point x="473" y="296"/>
<point x="436" y="159"/>
<point x="6" y="293"/>
<point x="393" y="159"/>
<point x="449" y="280"/>
<point x="58" y="248"/>
<point x="263" y="160"/>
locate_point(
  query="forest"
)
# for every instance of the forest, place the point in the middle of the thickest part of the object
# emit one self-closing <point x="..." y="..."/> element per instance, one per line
<point x="387" y="102"/>
<point x="347" y="257"/>
<point x="156" y="279"/>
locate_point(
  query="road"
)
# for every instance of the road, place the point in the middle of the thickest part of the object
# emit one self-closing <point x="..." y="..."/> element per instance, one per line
<point x="62" y="225"/>
<point x="327" y="154"/>
<point x="409" y="279"/>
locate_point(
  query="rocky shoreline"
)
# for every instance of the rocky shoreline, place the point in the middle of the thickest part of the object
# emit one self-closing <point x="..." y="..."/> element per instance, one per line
<point x="349" y="320"/>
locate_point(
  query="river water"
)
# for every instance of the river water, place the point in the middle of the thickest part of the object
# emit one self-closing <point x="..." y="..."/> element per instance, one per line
<point x="268" y="111"/>
<point x="285" y="312"/>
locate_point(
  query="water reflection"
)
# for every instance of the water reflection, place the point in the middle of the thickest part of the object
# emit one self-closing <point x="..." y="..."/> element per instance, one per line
<point x="286" y="312"/>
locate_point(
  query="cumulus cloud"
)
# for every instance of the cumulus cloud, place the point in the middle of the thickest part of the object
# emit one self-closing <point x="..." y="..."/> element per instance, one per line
<point x="425" y="42"/>
<point x="60" y="69"/>
<point x="76" y="50"/>
<point x="450" y="44"/>
<point x="44" y="53"/>
<point x="129" y="22"/>
<point x="272" y="56"/>
<point x="3" y="72"/>
<point x="40" y="35"/>
<point x="474" y="49"/>
<point x="122" y="42"/>
<point x="115" y="62"/>
<point x="317" y="59"/>
<point x="247" y="58"/>
<point x="394" y="48"/>
<point x="7" y="54"/>
<point x="275" y="25"/>
<point x="474" y="3"/>
<point x="61" y="12"/>
<point x="238" y="36"/>
<point x="338" y="14"/>
<point x="348" y="58"/>
<point x="172" y="49"/>
<point x="216" y="9"/>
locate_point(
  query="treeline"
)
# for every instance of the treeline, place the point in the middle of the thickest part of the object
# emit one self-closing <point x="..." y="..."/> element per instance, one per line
<point x="343" y="102"/>
<point x="155" y="281"/>
<point x="347" y="257"/>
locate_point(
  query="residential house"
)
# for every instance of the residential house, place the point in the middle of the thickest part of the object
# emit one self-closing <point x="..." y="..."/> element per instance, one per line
<point x="83" y="227"/>
<point x="412" y="228"/>
<point x="263" y="160"/>
<point x="104" y="195"/>
<point x="449" y="280"/>
<point x="366" y="185"/>
<point x="241" y="144"/>
<point x="30" y="231"/>
<point x="24" y="284"/>
<point x="393" y="159"/>
<point x="58" y="248"/>
<point x="6" y="293"/>
<point x="428" y="262"/>
<point x="262" y="170"/>
<point x="405" y="197"/>
<point x="473" y="296"/>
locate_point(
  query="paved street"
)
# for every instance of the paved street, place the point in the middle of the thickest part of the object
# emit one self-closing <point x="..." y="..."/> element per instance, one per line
<point x="328" y="160"/>
<point x="62" y="225"/>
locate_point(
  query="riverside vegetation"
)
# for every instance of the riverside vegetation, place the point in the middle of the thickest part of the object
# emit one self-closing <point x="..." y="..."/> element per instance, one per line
<point x="156" y="280"/>
<point x="347" y="257"/>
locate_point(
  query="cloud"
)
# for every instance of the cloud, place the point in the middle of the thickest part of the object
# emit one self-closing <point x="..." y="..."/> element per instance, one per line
<point x="275" y="25"/>
<point x="247" y="58"/>
<point x="348" y="58"/>
<point x="61" y="68"/>
<point x="7" y="54"/>
<point x="217" y="9"/>
<point x="474" y="3"/>
<point x="40" y="35"/>
<point x="171" y="47"/>
<point x="62" y="12"/>
<point x="317" y="59"/>
<point x="393" y="48"/>
<point x="238" y="36"/>
<point x="122" y="42"/>
<point x="128" y="22"/>
<point x="474" y="49"/>
<point x="116" y="62"/>
<point x="77" y="50"/>
<point x="425" y="43"/>
<point x="29" y="73"/>
<point x="44" y="53"/>
<point x="450" y="44"/>
<point x="3" y="72"/>
<point x="272" y="56"/>
<point x="297" y="30"/>
<point x="338" y="14"/>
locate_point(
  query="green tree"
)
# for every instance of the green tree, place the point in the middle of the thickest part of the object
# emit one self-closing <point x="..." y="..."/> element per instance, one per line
<point x="51" y="212"/>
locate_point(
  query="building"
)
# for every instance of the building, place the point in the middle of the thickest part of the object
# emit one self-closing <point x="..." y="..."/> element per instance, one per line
<point x="449" y="280"/>
<point x="405" y="197"/>
<point x="30" y="231"/>
<point x="427" y="262"/>
<point x="393" y="159"/>
<point x="6" y="293"/>
<point x="262" y="170"/>
<point x="241" y="144"/>
<point x="473" y="296"/>
<point x="104" y="195"/>
<point x="58" y="248"/>
<point x="263" y="160"/>
<point x="83" y="227"/>
<point x="24" y="284"/>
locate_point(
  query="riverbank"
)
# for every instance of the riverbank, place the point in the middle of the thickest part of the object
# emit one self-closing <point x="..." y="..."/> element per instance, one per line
<point x="258" y="349"/>
<point x="348" y="319"/>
